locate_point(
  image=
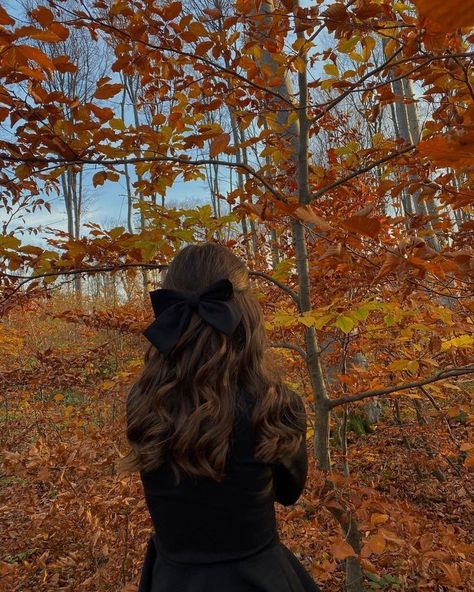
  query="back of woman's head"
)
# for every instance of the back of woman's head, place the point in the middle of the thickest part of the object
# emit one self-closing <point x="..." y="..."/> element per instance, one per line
<point x="182" y="407"/>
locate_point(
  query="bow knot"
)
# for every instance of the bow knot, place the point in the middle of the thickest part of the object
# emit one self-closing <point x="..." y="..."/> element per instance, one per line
<point x="193" y="300"/>
<point x="173" y="311"/>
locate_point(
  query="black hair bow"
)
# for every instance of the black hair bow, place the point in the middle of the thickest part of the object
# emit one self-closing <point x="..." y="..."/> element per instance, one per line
<point x="173" y="311"/>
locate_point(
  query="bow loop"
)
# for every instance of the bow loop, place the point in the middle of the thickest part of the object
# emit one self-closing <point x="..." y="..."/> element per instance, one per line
<point x="173" y="311"/>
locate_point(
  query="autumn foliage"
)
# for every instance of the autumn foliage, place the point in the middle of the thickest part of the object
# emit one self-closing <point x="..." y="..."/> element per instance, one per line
<point x="335" y="141"/>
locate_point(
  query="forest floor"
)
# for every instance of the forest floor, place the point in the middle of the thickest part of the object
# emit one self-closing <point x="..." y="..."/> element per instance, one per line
<point x="69" y="522"/>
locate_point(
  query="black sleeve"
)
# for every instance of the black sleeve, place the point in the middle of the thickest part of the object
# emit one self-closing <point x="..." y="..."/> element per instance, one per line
<point x="289" y="474"/>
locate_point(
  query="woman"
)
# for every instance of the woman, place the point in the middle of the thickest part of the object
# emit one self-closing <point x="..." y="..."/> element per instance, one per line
<point x="215" y="435"/>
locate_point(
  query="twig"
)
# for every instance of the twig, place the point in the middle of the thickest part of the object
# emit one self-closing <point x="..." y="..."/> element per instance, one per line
<point x="293" y="346"/>
<point x="448" y="373"/>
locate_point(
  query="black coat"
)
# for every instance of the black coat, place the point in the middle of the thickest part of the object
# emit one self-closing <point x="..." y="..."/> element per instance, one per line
<point x="222" y="537"/>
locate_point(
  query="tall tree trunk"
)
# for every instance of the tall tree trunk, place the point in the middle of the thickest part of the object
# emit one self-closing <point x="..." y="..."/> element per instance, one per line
<point x="297" y="135"/>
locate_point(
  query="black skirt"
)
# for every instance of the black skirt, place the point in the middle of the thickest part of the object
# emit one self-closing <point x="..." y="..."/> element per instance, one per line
<point x="273" y="569"/>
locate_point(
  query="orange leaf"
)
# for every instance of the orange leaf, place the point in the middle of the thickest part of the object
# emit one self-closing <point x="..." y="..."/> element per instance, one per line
<point x="214" y="13"/>
<point x="33" y="53"/>
<point x="307" y="214"/>
<point x="391" y="262"/>
<point x="452" y="574"/>
<point x="60" y="30"/>
<point x="219" y="144"/>
<point x="362" y="225"/>
<point x="106" y="91"/>
<point x="5" y="18"/>
<point x="376" y="544"/>
<point x="62" y="64"/>
<point x="171" y="11"/>
<point x="43" y="16"/>
<point x="341" y="550"/>
<point x="449" y="151"/>
<point x="102" y="113"/>
<point x="448" y="14"/>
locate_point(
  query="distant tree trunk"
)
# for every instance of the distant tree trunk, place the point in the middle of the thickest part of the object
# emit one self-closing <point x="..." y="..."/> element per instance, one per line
<point x="408" y="126"/>
<point x="131" y="89"/>
<point x="126" y="172"/>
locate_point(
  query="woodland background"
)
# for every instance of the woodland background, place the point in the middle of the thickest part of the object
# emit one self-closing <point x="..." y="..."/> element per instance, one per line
<point x="331" y="145"/>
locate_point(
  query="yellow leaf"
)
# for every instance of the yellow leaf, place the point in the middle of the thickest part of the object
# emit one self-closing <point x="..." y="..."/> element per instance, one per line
<point x="399" y="365"/>
<point x="348" y="45"/>
<point x="307" y="321"/>
<point x="344" y="323"/>
<point x="390" y="47"/>
<point x="461" y="341"/>
<point x="331" y="70"/>
<point x="321" y="321"/>
<point x="300" y="64"/>
<point x="368" y="45"/>
<point x="413" y="366"/>
<point x="379" y="519"/>
<point x="117" y="124"/>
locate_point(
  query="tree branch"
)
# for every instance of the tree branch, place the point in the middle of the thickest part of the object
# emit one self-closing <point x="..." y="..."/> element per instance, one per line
<point x="442" y="375"/>
<point x="188" y="54"/>
<point x="361" y="171"/>
<point x="292" y="346"/>
<point x="291" y="293"/>
<point x="326" y="107"/>
<point x="126" y="161"/>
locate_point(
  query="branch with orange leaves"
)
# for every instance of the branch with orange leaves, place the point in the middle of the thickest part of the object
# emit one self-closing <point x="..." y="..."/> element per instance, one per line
<point x="62" y="161"/>
<point x="361" y="171"/>
<point x="442" y="375"/>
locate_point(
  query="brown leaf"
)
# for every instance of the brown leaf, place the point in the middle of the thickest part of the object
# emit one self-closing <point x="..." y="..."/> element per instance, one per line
<point x="391" y="262"/>
<point x="171" y="11"/>
<point x="43" y="16"/>
<point x="35" y="54"/>
<point x="455" y="150"/>
<point x="368" y="209"/>
<point x="219" y="144"/>
<point x="362" y="225"/>
<point x="5" y="18"/>
<point x="342" y="550"/>
<point x="376" y="544"/>
<point x="106" y="91"/>
<point x="214" y="13"/>
<point x="448" y="14"/>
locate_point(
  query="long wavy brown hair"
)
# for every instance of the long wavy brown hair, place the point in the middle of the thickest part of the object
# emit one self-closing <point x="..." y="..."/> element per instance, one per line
<point x="182" y="406"/>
